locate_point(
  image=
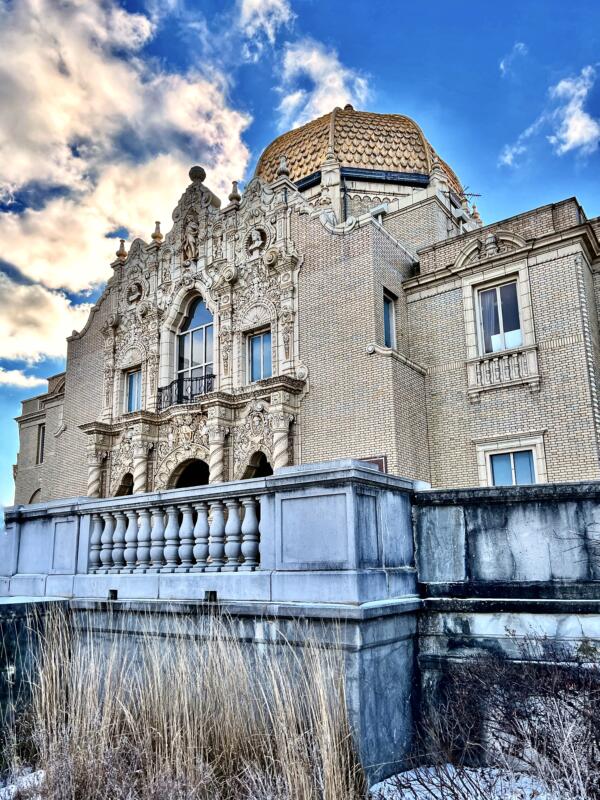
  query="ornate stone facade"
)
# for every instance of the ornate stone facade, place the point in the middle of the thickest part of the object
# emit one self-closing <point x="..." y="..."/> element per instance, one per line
<point x="306" y="261"/>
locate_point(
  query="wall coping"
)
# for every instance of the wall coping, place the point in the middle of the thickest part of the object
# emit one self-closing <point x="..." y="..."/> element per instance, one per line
<point x="541" y="492"/>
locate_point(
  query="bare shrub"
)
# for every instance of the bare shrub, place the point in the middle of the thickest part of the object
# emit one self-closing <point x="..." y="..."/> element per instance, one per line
<point x="521" y="727"/>
<point x="189" y="718"/>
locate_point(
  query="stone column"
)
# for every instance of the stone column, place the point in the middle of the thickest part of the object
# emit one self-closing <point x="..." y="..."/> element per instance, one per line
<point x="216" y="455"/>
<point x="94" y="483"/>
<point x="281" y="428"/>
<point x="140" y="466"/>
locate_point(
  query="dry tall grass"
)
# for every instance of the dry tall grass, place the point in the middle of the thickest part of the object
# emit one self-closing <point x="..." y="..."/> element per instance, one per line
<point x="189" y="718"/>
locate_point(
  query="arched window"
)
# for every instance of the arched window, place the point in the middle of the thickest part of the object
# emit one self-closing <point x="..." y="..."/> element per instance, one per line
<point x="195" y="374"/>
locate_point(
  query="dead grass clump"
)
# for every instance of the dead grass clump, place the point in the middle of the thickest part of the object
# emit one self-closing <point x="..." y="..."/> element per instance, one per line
<point x="189" y="718"/>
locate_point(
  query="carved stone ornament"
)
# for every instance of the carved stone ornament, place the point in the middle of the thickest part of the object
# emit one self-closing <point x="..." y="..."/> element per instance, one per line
<point x="189" y="243"/>
<point x="134" y="293"/>
<point x="185" y="438"/>
<point x="254" y="433"/>
<point x="255" y="241"/>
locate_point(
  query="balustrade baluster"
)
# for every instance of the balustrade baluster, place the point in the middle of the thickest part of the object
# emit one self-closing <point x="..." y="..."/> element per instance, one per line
<point x="157" y="539"/>
<point x="200" y="537"/>
<point x="250" y="535"/>
<point x="186" y="538"/>
<point x="106" y="541"/>
<point x="131" y="534"/>
<point x="172" y="539"/>
<point x="118" y="547"/>
<point x="233" y="534"/>
<point x="143" y="541"/>
<point x="95" y="543"/>
<point x="216" y="545"/>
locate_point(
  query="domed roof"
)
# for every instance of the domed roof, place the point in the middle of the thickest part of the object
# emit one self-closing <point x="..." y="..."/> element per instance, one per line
<point x="359" y="139"/>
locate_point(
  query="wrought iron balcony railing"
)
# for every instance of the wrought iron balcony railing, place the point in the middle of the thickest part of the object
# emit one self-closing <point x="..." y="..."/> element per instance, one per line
<point x="184" y="390"/>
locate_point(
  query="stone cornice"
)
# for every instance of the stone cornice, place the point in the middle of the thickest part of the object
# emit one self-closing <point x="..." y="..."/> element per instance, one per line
<point x="579" y="234"/>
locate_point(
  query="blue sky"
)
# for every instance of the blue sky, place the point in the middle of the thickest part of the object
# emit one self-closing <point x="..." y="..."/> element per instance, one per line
<point x="104" y="105"/>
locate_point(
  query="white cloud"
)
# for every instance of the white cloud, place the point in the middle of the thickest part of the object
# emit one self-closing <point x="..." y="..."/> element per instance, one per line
<point x="575" y="129"/>
<point x="519" y="49"/>
<point x="331" y="83"/>
<point x="572" y="127"/>
<point x="16" y="377"/>
<point x="83" y="110"/>
<point x="34" y="322"/>
<point x="259" y="21"/>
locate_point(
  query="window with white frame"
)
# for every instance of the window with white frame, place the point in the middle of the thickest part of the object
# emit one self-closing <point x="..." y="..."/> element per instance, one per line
<point x="499" y="318"/>
<point x="195" y="349"/>
<point x="133" y="390"/>
<point x="514" y="461"/>
<point x="514" y="468"/>
<point x="259" y="356"/>
<point x="389" y="320"/>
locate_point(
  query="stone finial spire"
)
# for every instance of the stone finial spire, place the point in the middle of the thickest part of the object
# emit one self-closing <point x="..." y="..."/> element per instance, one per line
<point x="475" y="215"/>
<point x="197" y="174"/>
<point x="235" y="196"/>
<point x="121" y="252"/>
<point x="157" y="235"/>
<point x="283" y="168"/>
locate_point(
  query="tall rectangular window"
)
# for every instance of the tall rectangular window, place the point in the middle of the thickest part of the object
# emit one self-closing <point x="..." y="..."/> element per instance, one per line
<point x="499" y="318"/>
<point x="389" y="320"/>
<point x="41" y="441"/>
<point x="512" y="469"/>
<point x="134" y="390"/>
<point x="259" y="356"/>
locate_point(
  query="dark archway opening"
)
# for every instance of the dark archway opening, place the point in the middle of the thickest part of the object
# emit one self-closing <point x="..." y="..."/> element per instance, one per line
<point x="195" y="473"/>
<point x="126" y="485"/>
<point x="258" y="467"/>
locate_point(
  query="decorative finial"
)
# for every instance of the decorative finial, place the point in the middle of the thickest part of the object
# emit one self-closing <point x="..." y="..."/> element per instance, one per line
<point x="235" y="196"/>
<point x="197" y="174"/>
<point x="157" y="235"/>
<point x="348" y="107"/>
<point x="475" y="213"/>
<point x="283" y="168"/>
<point x="121" y="252"/>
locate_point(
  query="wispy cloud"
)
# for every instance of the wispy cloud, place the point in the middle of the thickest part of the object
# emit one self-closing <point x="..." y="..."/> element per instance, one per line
<point x="330" y="83"/>
<point x="569" y="126"/>
<point x="34" y="321"/>
<point x="18" y="379"/>
<point x="576" y="129"/>
<point x="259" y="22"/>
<point x="85" y="110"/>
<point x="519" y="49"/>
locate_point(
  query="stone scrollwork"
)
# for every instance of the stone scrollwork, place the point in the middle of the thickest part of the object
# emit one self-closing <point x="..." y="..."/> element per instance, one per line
<point x="184" y="438"/>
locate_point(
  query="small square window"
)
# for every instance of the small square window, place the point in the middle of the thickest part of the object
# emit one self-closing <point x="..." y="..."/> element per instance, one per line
<point x="259" y="356"/>
<point x="500" y="324"/>
<point x="389" y="320"/>
<point x="134" y="390"/>
<point x="41" y="441"/>
<point x="515" y="468"/>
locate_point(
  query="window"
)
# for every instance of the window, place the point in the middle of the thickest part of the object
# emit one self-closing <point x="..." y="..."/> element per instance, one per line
<point x="512" y="469"/>
<point x="259" y="356"/>
<point x="134" y="390"/>
<point x="389" y="320"/>
<point x="41" y="440"/>
<point x="500" y="326"/>
<point x="195" y="351"/>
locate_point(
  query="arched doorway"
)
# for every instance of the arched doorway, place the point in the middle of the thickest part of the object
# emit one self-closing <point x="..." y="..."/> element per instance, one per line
<point x="258" y="467"/>
<point x="126" y="486"/>
<point x="190" y="473"/>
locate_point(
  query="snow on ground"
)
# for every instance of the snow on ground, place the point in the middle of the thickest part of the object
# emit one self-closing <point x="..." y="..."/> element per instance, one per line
<point x="27" y="781"/>
<point x="444" y="782"/>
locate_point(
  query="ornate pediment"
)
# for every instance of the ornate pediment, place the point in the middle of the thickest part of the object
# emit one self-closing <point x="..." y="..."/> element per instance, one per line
<point x="493" y="244"/>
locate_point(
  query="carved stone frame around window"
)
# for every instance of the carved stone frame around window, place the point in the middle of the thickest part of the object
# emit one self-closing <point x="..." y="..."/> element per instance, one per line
<point x="530" y="440"/>
<point x="518" y="366"/>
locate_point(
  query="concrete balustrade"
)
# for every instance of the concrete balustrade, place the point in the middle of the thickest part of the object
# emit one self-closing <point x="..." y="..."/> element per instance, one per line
<point x="337" y="532"/>
<point x="179" y="537"/>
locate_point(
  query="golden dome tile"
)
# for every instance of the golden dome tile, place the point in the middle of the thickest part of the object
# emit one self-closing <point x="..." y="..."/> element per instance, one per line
<point x="359" y="139"/>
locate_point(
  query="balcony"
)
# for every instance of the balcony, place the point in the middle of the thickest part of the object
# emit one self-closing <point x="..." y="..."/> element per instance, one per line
<point x="499" y="370"/>
<point x="184" y="390"/>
